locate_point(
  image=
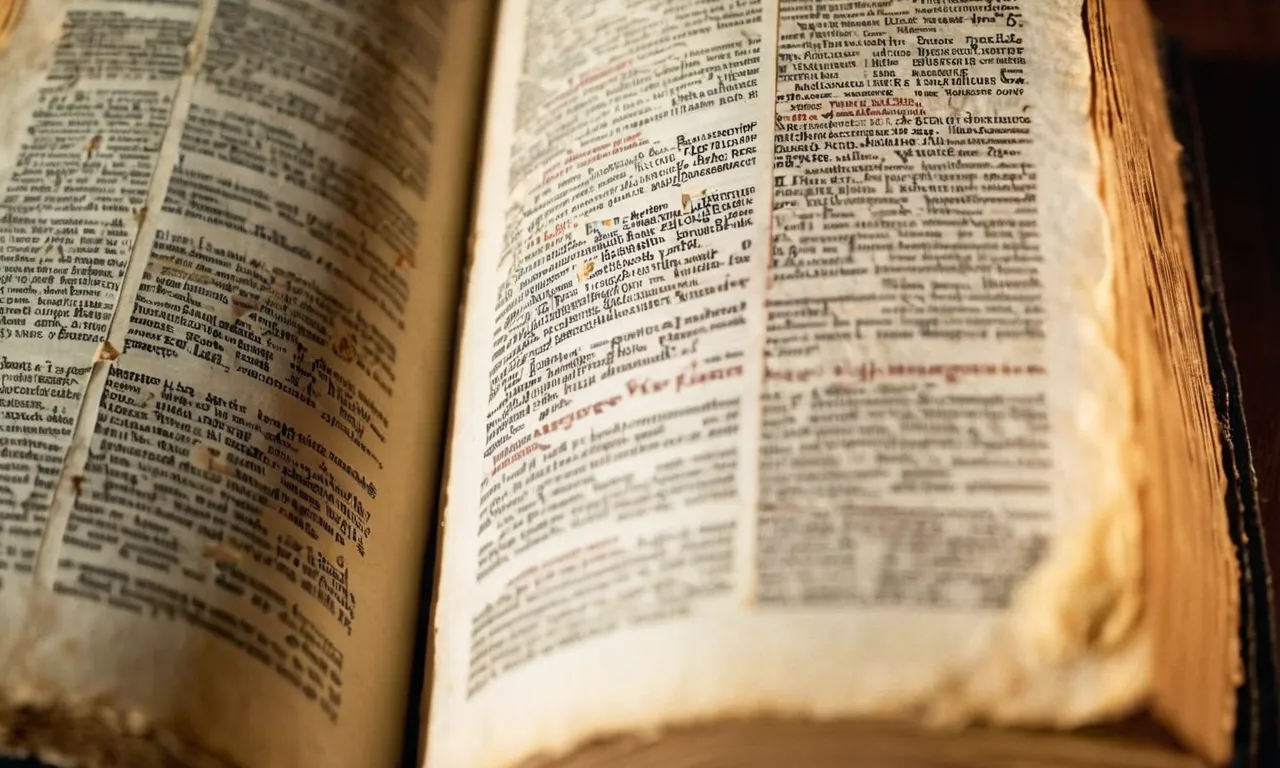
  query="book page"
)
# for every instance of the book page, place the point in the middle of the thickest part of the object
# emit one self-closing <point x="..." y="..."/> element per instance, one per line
<point x="788" y="383"/>
<point x="230" y="235"/>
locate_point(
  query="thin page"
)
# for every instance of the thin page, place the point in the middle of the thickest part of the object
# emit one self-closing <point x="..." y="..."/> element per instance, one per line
<point x="787" y="379"/>
<point x="229" y="238"/>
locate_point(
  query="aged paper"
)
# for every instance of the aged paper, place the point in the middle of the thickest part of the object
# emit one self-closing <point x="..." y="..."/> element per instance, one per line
<point x="789" y="331"/>
<point x="231" y="232"/>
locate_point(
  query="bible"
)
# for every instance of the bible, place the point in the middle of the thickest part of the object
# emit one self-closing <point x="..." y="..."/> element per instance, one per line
<point x="552" y="383"/>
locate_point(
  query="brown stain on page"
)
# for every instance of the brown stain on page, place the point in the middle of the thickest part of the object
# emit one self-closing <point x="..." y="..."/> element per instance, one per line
<point x="223" y="552"/>
<point x="210" y="459"/>
<point x="242" y="305"/>
<point x="10" y="12"/>
<point x="92" y="146"/>
<point x="107" y="353"/>
<point x="346" y="350"/>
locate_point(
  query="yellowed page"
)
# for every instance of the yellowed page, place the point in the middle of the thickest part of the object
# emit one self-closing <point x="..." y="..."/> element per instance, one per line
<point x="864" y="453"/>
<point x="230" y="235"/>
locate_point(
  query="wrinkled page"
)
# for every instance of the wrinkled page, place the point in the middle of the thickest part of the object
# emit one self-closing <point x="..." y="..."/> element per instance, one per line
<point x="787" y="384"/>
<point x="229" y="238"/>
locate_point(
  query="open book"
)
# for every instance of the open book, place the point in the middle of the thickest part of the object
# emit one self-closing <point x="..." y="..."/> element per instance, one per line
<point x="831" y="387"/>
